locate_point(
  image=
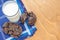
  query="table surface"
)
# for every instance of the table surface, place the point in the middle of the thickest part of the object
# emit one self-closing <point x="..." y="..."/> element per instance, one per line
<point x="48" y="18"/>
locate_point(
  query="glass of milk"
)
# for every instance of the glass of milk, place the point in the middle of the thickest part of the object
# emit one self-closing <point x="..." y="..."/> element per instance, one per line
<point x="11" y="10"/>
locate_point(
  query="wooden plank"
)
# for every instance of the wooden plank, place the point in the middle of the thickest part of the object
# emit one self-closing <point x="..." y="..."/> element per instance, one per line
<point x="48" y="18"/>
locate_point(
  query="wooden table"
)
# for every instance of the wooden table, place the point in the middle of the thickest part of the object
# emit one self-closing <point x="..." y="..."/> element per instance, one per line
<point x="48" y="18"/>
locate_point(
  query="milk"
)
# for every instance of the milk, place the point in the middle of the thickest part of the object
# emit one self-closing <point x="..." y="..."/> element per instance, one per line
<point x="11" y="10"/>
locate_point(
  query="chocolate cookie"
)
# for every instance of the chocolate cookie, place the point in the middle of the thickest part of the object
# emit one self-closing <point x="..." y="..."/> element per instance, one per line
<point x="12" y="29"/>
<point x="32" y="18"/>
<point x="23" y="17"/>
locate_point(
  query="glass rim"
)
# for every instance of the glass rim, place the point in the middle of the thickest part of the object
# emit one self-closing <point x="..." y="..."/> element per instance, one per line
<point x="6" y="3"/>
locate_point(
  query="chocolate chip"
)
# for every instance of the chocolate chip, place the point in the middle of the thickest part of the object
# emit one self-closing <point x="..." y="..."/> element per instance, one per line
<point x="10" y="32"/>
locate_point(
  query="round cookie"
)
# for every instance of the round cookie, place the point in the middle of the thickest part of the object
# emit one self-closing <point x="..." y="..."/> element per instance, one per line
<point x="12" y="29"/>
<point x="32" y="18"/>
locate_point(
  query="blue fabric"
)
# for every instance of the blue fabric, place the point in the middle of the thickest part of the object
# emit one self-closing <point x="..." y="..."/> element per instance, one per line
<point x="27" y="30"/>
<point x="1" y="37"/>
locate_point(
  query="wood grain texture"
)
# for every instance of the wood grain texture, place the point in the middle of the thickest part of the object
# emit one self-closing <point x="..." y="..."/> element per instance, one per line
<point x="48" y="18"/>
